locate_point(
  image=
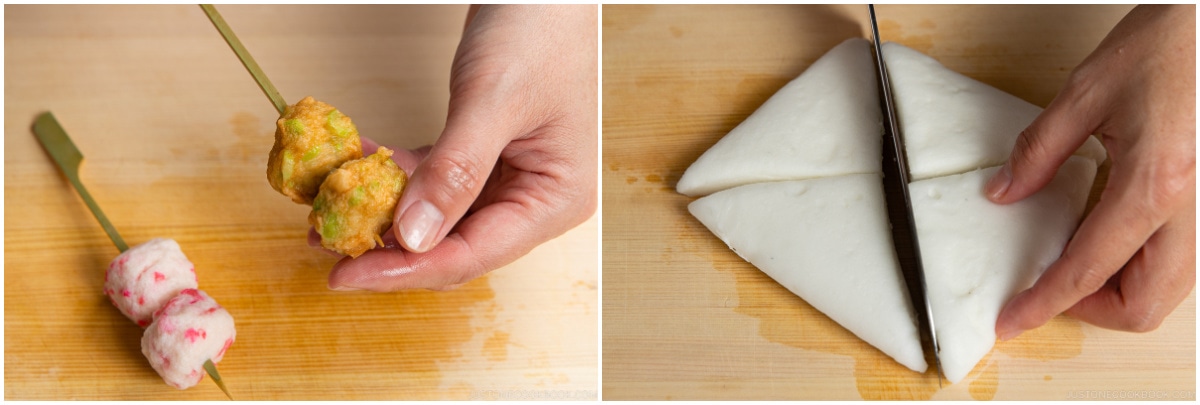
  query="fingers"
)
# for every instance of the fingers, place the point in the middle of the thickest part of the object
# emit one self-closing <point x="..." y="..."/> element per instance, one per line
<point x="522" y="103"/>
<point x="314" y="241"/>
<point x="1124" y="91"/>
<point x="369" y="146"/>
<point x="445" y="184"/>
<point x="1042" y="148"/>
<point x="406" y="159"/>
<point x="471" y="12"/>
<point x="442" y="188"/>
<point x="1156" y="280"/>
<point x="488" y="239"/>
<point x="1119" y="226"/>
<point x="484" y="115"/>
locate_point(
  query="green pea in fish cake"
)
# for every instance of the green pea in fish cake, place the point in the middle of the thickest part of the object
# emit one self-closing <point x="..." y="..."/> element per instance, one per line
<point x="311" y="139"/>
<point x="356" y="202"/>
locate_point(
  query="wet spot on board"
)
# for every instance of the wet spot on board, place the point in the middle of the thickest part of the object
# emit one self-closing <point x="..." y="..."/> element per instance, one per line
<point x="787" y="319"/>
<point x="247" y="125"/>
<point x="654" y="178"/>
<point x="995" y="52"/>
<point x="496" y="346"/>
<point x="1059" y="339"/>
<point x="676" y="94"/>
<point x="888" y="27"/>
<point x="878" y="377"/>
<point x="254" y="137"/>
<point x="391" y="344"/>
<point x="983" y="387"/>
<point x="895" y="32"/>
<point x="631" y="179"/>
<point x="758" y="88"/>
<point x="676" y="32"/>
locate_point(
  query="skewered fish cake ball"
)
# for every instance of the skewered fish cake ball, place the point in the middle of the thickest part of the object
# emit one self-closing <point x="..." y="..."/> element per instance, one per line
<point x="356" y="202"/>
<point x="311" y="139"/>
<point x="189" y="330"/>
<point x="142" y="279"/>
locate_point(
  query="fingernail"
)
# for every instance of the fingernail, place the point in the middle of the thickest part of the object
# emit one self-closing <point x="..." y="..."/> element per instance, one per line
<point x="1009" y="334"/>
<point x="998" y="185"/>
<point x="343" y="288"/>
<point x="419" y="224"/>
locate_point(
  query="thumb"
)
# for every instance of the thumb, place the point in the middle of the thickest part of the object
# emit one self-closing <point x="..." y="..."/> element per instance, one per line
<point x="445" y="184"/>
<point x="1041" y="148"/>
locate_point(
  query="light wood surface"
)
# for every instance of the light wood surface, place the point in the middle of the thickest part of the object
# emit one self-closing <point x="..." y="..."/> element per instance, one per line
<point x="686" y="318"/>
<point x="175" y="135"/>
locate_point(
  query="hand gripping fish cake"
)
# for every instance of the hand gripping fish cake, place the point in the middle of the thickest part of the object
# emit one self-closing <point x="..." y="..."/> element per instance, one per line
<point x="356" y="203"/>
<point x="311" y="139"/>
<point x="142" y="279"/>
<point x="189" y="330"/>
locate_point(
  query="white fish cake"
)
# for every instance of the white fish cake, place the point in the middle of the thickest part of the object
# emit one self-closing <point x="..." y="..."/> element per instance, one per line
<point x="826" y="122"/>
<point x="828" y="241"/>
<point x="978" y="255"/>
<point x="954" y="124"/>
<point x="189" y="330"/>
<point x="142" y="279"/>
<point x="827" y="238"/>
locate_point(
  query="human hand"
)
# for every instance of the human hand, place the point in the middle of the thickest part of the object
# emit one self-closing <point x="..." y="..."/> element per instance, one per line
<point x="1132" y="260"/>
<point x="516" y="163"/>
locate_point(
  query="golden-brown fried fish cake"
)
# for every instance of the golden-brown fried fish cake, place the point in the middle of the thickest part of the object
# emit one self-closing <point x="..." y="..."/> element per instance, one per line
<point x="311" y="139"/>
<point x="356" y="202"/>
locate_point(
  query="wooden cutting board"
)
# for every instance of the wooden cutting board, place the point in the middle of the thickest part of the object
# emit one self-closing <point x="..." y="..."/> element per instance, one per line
<point x="686" y="318"/>
<point x="175" y="135"/>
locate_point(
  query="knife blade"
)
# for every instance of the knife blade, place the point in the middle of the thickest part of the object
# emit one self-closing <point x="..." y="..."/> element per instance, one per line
<point x="899" y="204"/>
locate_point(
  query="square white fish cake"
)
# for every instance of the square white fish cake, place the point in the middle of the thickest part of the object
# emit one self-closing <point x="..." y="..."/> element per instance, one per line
<point x="826" y="122"/>
<point x="828" y="241"/>
<point x="978" y="255"/>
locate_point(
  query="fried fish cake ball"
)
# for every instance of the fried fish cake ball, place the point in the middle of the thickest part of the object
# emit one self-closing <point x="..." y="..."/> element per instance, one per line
<point x="311" y="139"/>
<point x="356" y="202"/>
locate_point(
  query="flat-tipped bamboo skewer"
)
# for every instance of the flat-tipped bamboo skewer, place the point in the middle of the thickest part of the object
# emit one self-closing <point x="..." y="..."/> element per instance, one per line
<point x="68" y="158"/>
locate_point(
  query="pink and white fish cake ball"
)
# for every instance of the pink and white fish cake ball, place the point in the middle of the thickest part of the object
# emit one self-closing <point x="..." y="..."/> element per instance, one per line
<point x="189" y="330"/>
<point x="141" y="280"/>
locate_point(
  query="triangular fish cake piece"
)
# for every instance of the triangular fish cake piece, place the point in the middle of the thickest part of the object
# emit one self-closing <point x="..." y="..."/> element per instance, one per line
<point x="826" y="240"/>
<point x="826" y="122"/>
<point x="953" y="124"/>
<point x="977" y="255"/>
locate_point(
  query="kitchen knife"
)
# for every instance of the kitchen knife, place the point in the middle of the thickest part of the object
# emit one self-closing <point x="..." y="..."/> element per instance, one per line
<point x="900" y="210"/>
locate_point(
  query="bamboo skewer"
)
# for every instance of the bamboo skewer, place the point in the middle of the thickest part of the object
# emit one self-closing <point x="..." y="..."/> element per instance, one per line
<point x="248" y="61"/>
<point x="68" y="158"/>
<point x="263" y="83"/>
